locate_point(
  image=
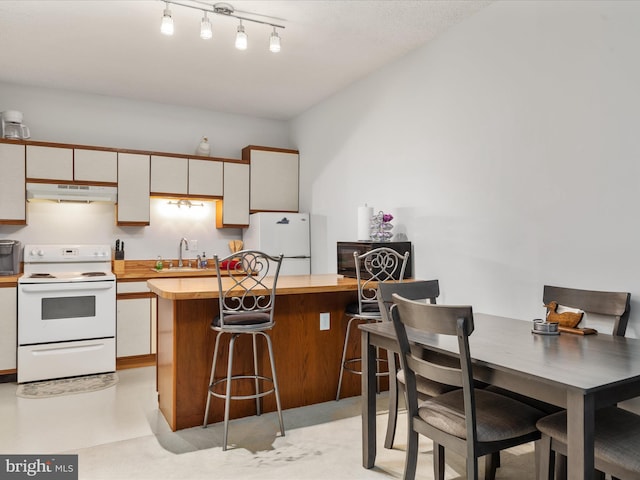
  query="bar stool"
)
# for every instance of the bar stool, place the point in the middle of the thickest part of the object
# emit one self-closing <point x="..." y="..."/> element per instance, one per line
<point x="373" y="267"/>
<point x="247" y="284"/>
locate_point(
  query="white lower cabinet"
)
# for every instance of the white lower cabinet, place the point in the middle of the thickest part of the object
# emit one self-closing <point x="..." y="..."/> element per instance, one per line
<point x="8" y="327"/>
<point x="12" y="184"/>
<point x="135" y="333"/>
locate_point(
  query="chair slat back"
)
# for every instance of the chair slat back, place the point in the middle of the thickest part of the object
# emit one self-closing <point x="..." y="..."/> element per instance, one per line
<point x="254" y="275"/>
<point x="376" y="266"/>
<point x="613" y="304"/>
<point x="419" y="290"/>
<point x="435" y="319"/>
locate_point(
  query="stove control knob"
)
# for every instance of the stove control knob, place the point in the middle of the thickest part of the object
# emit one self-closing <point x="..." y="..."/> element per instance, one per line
<point x="37" y="252"/>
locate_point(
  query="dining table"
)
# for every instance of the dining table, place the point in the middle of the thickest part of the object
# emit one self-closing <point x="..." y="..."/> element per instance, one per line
<point x="579" y="373"/>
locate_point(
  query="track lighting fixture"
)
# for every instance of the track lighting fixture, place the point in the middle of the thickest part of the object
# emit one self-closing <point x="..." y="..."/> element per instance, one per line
<point x="206" y="30"/>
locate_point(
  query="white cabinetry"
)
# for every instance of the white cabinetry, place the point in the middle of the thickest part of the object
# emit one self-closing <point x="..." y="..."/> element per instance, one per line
<point x="8" y="327"/>
<point x="188" y="177"/>
<point x="233" y="211"/>
<point x="135" y="320"/>
<point x="133" y="189"/>
<point x="169" y="175"/>
<point x="71" y="164"/>
<point x="95" y="165"/>
<point x="205" y="178"/>
<point x="12" y="184"/>
<point x="274" y="178"/>
<point x="50" y="163"/>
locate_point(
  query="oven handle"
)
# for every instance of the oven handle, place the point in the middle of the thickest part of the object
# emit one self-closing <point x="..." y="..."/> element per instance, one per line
<point x="65" y="349"/>
<point x="65" y="287"/>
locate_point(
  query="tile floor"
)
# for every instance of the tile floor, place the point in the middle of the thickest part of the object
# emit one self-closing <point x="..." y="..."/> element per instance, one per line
<point x="119" y="433"/>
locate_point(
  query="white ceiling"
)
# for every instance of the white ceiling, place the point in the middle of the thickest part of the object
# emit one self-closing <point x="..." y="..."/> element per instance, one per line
<point x="114" y="47"/>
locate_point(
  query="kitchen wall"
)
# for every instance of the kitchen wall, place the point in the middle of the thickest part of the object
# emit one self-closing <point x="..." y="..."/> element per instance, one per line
<point x="507" y="151"/>
<point x="78" y="118"/>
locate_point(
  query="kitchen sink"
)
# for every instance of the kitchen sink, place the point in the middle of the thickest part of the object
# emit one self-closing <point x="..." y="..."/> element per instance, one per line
<point x="182" y="269"/>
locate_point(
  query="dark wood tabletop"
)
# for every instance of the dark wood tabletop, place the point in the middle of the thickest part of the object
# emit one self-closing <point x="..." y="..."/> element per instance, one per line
<point x="579" y="373"/>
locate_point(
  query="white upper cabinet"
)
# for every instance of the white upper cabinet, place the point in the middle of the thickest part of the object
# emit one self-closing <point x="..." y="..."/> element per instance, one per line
<point x="50" y="163"/>
<point x="233" y="211"/>
<point x="274" y="179"/>
<point x="69" y="164"/>
<point x="133" y="189"/>
<point x="12" y="184"/>
<point x="205" y="178"/>
<point x="169" y="175"/>
<point x="188" y="177"/>
<point x="95" y="165"/>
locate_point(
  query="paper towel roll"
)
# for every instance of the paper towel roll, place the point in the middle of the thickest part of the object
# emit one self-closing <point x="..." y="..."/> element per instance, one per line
<point x="364" y="222"/>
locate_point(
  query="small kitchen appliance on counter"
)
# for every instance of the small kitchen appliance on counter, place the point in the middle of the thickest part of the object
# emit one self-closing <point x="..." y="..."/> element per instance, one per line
<point x="66" y="312"/>
<point x="9" y="257"/>
<point x="12" y="126"/>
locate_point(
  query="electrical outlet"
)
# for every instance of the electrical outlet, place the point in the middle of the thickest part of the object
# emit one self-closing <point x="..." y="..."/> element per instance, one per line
<point x="325" y="321"/>
<point x="193" y="245"/>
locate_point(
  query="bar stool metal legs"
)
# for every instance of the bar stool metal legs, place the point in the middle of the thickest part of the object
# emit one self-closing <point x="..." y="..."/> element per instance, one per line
<point x="229" y="378"/>
<point x="345" y="362"/>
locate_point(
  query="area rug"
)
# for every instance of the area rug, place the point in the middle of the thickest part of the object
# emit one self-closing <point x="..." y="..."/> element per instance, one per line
<point x="67" y="386"/>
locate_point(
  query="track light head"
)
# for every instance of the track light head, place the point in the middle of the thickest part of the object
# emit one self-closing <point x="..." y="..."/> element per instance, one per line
<point x="274" y="41"/>
<point x="241" y="38"/>
<point x="167" y="22"/>
<point x="205" y="28"/>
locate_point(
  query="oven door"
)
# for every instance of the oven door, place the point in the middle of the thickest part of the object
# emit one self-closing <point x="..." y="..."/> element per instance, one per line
<point x="55" y="312"/>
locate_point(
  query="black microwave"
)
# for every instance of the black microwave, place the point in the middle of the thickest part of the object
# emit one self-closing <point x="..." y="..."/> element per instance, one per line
<point x="346" y="261"/>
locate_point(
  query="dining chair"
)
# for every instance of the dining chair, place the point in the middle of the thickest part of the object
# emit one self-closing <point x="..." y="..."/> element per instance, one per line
<point x="247" y="305"/>
<point x="380" y="265"/>
<point x="616" y="443"/>
<point x="610" y="307"/>
<point x="605" y="307"/>
<point x="428" y="291"/>
<point x="470" y="421"/>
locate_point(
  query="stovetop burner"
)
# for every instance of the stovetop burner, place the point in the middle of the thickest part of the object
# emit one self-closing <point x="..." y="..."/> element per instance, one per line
<point x="93" y="274"/>
<point x="41" y="275"/>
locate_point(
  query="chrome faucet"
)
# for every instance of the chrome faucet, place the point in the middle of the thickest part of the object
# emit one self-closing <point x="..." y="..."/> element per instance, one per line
<point x="186" y="247"/>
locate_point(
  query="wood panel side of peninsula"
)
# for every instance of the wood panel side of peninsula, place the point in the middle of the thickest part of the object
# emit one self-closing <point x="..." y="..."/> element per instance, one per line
<point x="307" y="359"/>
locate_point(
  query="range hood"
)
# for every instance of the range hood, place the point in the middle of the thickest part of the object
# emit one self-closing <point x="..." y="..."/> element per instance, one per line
<point x="71" y="193"/>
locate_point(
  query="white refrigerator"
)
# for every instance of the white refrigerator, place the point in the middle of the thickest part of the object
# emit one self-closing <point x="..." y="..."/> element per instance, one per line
<point x="287" y="233"/>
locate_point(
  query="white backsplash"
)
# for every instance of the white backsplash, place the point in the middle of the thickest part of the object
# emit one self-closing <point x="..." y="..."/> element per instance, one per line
<point x="66" y="223"/>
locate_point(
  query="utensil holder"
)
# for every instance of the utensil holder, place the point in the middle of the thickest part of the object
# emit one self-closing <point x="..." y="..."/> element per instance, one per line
<point x="118" y="266"/>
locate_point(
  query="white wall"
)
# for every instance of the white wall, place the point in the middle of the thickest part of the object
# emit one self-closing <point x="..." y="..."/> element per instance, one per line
<point x="68" y="117"/>
<point x="506" y="150"/>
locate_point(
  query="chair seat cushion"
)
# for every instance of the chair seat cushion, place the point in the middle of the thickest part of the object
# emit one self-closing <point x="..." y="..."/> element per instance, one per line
<point x="367" y="308"/>
<point x="617" y="437"/>
<point x="244" y="319"/>
<point x="425" y="386"/>
<point x="498" y="417"/>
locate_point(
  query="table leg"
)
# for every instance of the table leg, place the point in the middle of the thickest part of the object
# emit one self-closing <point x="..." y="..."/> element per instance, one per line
<point x="368" y="355"/>
<point x="580" y="432"/>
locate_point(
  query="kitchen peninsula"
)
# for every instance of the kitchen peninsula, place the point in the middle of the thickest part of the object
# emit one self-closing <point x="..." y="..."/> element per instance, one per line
<point x="307" y="358"/>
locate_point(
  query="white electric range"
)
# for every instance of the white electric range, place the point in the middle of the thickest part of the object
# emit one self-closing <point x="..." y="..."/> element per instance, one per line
<point x="66" y="312"/>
